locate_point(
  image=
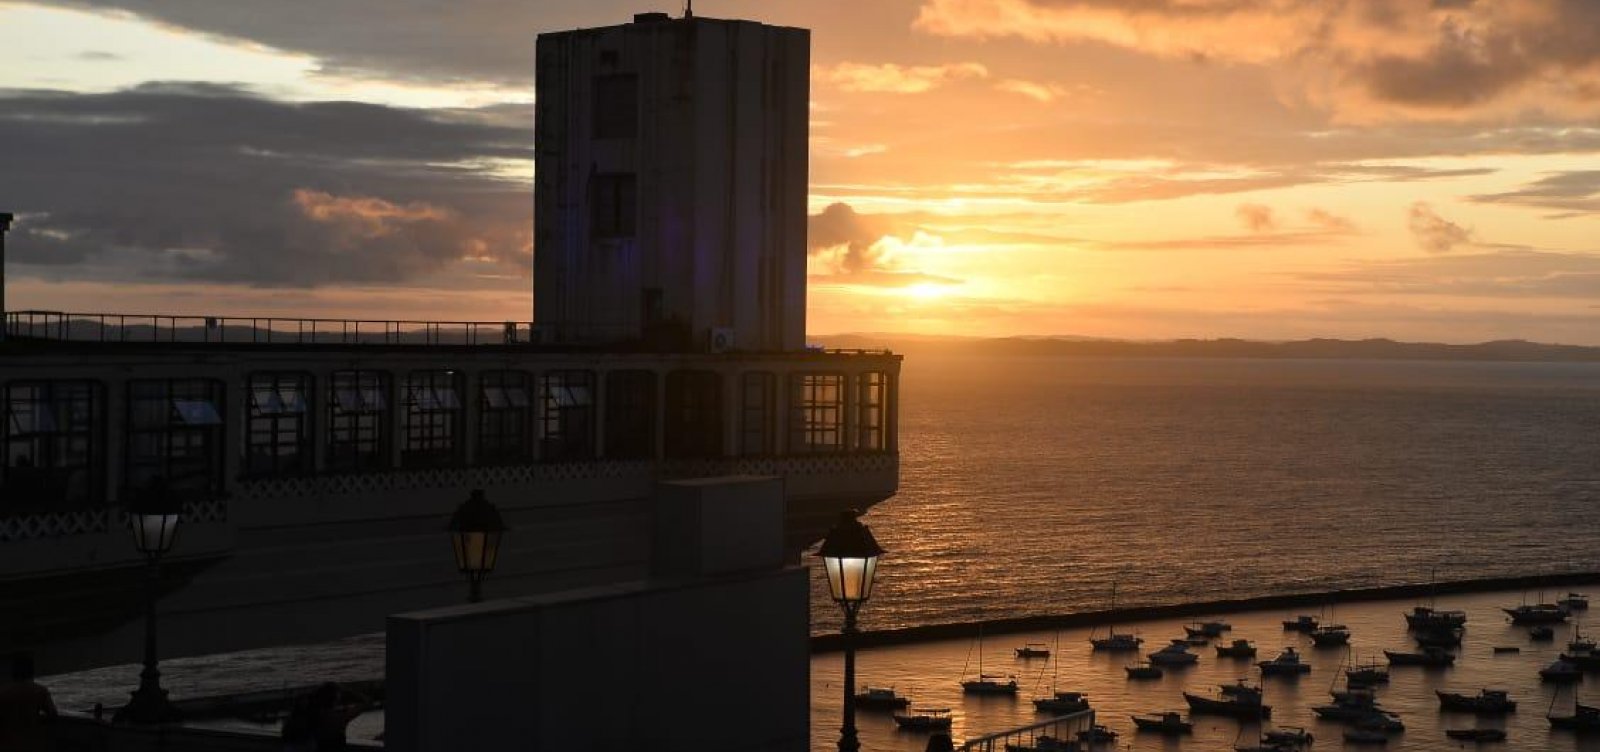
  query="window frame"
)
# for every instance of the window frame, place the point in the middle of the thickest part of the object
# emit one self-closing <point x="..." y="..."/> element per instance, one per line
<point x="693" y="424"/>
<point x="758" y="418"/>
<point x="79" y="450"/>
<point x="351" y="412"/>
<point x="565" y="431"/>
<point x="631" y="410"/>
<point x="280" y="427"/>
<point x="505" y="433"/>
<point x="808" y="411"/>
<point x="188" y="455"/>
<point x="431" y="418"/>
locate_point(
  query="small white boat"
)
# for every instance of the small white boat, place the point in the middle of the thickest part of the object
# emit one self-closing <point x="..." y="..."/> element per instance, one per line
<point x="877" y="698"/>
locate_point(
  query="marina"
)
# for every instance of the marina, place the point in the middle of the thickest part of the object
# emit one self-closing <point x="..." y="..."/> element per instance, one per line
<point x="931" y="669"/>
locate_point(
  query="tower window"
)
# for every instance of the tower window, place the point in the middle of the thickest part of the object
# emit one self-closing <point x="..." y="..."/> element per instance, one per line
<point x="612" y="205"/>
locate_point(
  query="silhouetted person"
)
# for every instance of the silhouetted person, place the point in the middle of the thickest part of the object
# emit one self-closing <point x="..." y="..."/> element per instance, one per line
<point x="25" y="708"/>
<point x="317" y="722"/>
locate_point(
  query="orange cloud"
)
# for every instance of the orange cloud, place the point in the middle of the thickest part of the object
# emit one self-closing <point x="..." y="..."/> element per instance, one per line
<point x="1361" y="59"/>
<point x="371" y="217"/>
<point x="1043" y="93"/>
<point x="890" y="78"/>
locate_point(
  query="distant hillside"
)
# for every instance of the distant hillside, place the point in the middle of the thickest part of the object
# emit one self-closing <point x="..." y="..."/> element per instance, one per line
<point x="1367" y="349"/>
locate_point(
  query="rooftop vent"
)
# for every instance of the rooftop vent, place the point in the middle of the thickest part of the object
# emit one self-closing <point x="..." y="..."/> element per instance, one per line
<point x="656" y="17"/>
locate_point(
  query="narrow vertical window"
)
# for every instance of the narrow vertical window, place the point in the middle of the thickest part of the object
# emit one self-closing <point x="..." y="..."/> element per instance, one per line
<point x="505" y="417"/>
<point x="694" y="414"/>
<point x="758" y="411"/>
<point x="277" y="438"/>
<point x="630" y="415"/>
<point x="358" y="421"/>
<point x="566" y="416"/>
<point x="432" y="417"/>
<point x="872" y="389"/>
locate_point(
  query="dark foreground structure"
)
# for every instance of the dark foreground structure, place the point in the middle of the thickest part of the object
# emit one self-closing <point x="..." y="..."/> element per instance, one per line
<point x="315" y="463"/>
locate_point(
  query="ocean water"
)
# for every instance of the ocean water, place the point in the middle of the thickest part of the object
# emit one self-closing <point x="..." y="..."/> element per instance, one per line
<point x="1028" y="485"/>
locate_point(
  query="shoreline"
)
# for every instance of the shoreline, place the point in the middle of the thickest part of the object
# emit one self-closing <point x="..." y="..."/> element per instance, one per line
<point x="829" y="643"/>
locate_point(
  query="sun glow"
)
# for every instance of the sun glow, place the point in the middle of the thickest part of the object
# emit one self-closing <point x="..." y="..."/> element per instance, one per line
<point x="926" y="290"/>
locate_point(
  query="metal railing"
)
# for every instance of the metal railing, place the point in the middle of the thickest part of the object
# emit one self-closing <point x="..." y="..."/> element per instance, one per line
<point x="1053" y="735"/>
<point x="118" y="327"/>
<point x="69" y="326"/>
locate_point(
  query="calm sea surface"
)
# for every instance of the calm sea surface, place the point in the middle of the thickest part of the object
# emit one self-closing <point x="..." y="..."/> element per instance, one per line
<point x="1029" y="485"/>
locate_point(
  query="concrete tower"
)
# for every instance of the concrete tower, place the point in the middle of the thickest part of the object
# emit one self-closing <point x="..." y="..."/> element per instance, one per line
<point x="670" y="187"/>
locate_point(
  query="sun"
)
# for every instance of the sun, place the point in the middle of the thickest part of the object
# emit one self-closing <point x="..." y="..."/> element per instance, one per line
<point x="926" y="291"/>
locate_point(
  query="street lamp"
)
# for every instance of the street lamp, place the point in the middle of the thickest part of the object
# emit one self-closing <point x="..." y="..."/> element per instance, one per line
<point x="153" y="515"/>
<point x="475" y="530"/>
<point x="850" y="556"/>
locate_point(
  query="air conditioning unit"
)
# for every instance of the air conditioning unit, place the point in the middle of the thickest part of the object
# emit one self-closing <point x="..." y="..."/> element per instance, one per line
<point x="719" y="339"/>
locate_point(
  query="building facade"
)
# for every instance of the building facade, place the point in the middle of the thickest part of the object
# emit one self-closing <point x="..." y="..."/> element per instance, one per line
<point x="317" y="461"/>
<point x="670" y="184"/>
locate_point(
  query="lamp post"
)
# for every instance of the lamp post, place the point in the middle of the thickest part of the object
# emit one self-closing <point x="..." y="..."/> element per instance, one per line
<point x="850" y="556"/>
<point x="153" y="515"/>
<point x="475" y="531"/>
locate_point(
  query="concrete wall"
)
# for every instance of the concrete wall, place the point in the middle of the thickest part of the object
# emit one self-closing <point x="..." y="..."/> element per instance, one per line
<point x="711" y="653"/>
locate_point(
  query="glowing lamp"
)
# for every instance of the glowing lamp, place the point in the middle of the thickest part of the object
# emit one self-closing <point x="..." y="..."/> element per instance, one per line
<point x="475" y="531"/>
<point x="850" y="557"/>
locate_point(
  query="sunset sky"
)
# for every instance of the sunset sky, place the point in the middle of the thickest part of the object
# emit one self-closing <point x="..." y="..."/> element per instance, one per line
<point x="1118" y="168"/>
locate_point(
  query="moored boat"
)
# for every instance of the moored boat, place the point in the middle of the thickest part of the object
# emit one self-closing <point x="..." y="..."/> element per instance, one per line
<point x="1097" y="734"/>
<point x="1170" y="723"/>
<point x="1330" y="635"/>
<point x="1207" y="628"/>
<point x="1561" y="672"/>
<point x="1366" y="675"/>
<point x="1574" y="602"/>
<point x="1287" y="736"/>
<point x="1301" y="623"/>
<point x="1032" y="650"/>
<point x="1113" y="641"/>
<point x="1429" y="656"/>
<point x="1422" y="617"/>
<point x="1585" y="661"/>
<point x="1541" y="633"/>
<point x="880" y="698"/>
<point x="1287" y="663"/>
<point x="1579" y="643"/>
<point x="1175" y="654"/>
<point x="1503" y="649"/>
<point x="1062" y="703"/>
<point x="990" y="684"/>
<point x="1476" y="735"/>
<point x="1539" y="613"/>
<point x="1585" y="719"/>
<point x="1237" y="649"/>
<point x="924" y="719"/>
<point x="1044" y="743"/>
<point x="1143" y="671"/>
<point x="1486" y="702"/>
<point x="1235" y="700"/>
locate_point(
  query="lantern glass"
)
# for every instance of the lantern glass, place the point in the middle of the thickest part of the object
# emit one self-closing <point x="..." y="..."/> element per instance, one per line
<point x="476" y="550"/>
<point x="154" y="534"/>
<point x="850" y="577"/>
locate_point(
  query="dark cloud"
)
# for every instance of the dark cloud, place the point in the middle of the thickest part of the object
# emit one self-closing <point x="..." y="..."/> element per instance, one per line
<point x="1434" y="233"/>
<point x="1575" y="193"/>
<point x="853" y="246"/>
<point x="166" y="182"/>
<point x="393" y="39"/>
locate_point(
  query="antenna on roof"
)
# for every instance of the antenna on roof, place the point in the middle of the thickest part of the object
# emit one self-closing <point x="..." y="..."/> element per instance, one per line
<point x="688" y="8"/>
